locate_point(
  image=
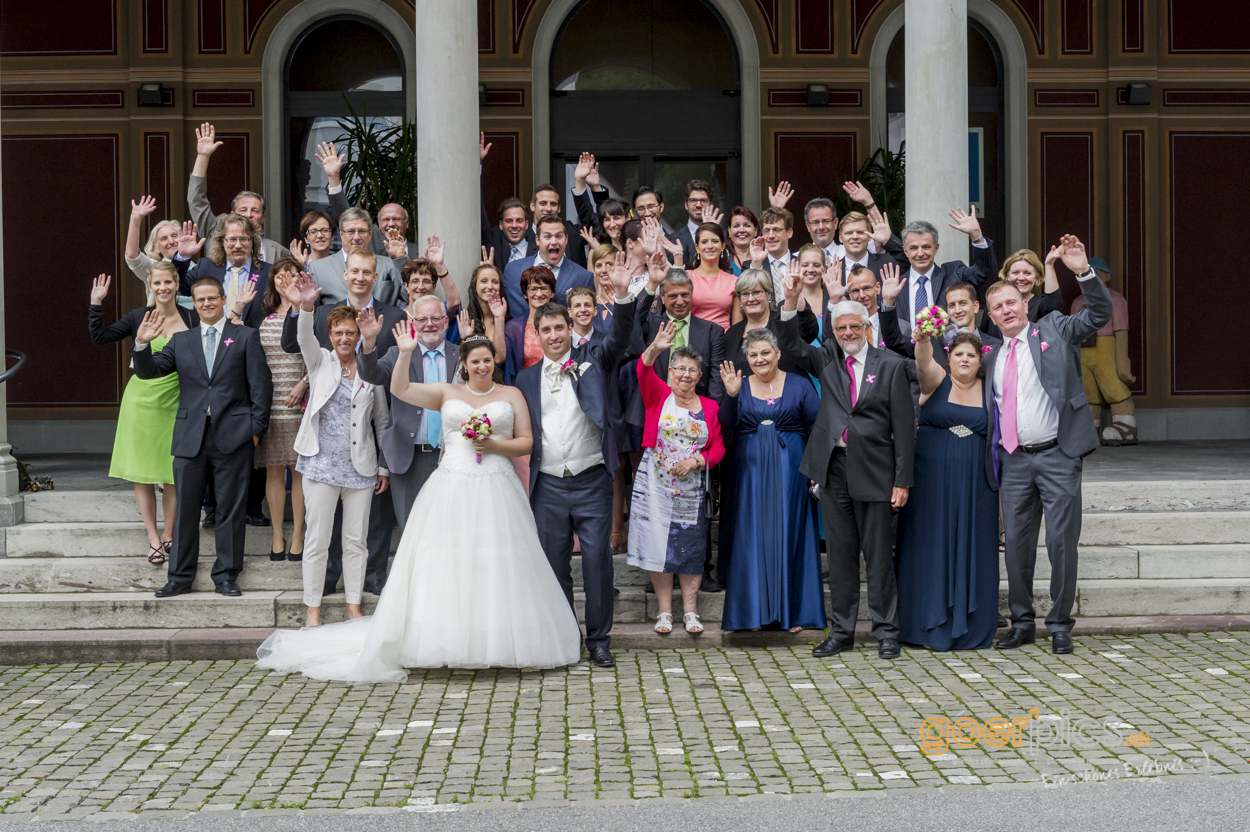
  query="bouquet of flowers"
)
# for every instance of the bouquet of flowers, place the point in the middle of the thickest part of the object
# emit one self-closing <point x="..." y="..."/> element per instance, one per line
<point x="477" y="426"/>
<point x="932" y="321"/>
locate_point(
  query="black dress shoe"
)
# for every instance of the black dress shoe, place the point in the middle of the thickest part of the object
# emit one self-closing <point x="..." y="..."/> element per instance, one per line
<point x="277" y="555"/>
<point x="330" y="588"/>
<point x="258" y="519"/>
<point x="831" y="647"/>
<point x="1002" y="623"/>
<point x="888" y="648"/>
<point x="616" y="591"/>
<point x="1015" y="638"/>
<point x="229" y="588"/>
<point x="649" y="589"/>
<point x="171" y="589"/>
<point x="1061" y="642"/>
<point x="374" y="587"/>
<point x="295" y="557"/>
<point x="210" y="520"/>
<point x="602" y="657"/>
<point x="710" y="584"/>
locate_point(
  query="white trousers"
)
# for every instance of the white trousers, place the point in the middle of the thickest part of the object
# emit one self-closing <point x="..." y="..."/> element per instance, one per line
<point x="319" y="504"/>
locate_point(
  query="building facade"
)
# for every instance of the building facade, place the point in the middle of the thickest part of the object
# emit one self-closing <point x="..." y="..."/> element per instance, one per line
<point x="1121" y="121"/>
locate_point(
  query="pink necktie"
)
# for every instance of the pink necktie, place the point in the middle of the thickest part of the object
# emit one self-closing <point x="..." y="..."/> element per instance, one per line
<point x="1011" y="438"/>
<point x="850" y="371"/>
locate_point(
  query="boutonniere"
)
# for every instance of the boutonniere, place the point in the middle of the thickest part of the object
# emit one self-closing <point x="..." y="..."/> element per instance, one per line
<point x="569" y="368"/>
<point x="227" y="342"/>
<point x="870" y="379"/>
<point x="983" y="349"/>
<point x="1035" y="331"/>
<point x="1045" y="346"/>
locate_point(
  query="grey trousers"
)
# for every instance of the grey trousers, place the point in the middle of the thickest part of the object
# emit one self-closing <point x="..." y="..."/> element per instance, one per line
<point x="405" y="486"/>
<point x="1048" y="482"/>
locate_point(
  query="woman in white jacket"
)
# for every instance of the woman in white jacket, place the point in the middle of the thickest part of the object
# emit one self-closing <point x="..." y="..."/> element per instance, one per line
<point x="337" y="446"/>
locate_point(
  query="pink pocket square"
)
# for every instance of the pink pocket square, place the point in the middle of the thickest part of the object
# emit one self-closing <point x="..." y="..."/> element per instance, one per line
<point x="1045" y="346"/>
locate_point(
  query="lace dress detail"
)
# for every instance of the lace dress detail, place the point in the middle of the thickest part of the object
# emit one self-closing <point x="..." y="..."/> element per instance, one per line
<point x="458" y="454"/>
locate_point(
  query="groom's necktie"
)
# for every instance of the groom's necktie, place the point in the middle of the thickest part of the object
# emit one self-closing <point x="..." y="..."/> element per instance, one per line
<point x="1011" y="379"/>
<point x="433" y="419"/>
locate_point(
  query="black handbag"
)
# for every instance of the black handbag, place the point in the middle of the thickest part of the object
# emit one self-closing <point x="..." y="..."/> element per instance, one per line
<point x="710" y="504"/>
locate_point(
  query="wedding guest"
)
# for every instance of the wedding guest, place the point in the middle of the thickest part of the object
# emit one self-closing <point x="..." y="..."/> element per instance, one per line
<point x="388" y="238"/>
<point x="774" y="571"/>
<point x="776" y="229"/>
<point x="552" y="241"/>
<point x="247" y="204"/>
<point x="754" y="291"/>
<point x="162" y="242"/>
<point x="860" y="454"/>
<point x="961" y="306"/>
<point x="145" y="421"/>
<point x="1037" y="441"/>
<point x="948" y="546"/>
<point x="927" y="281"/>
<point x="859" y="233"/>
<point x="510" y="237"/>
<point x="316" y="234"/>
<point x="821" y="219"/>
<point x="487" y="308"/>
<point x="331" y="272"/>
<point x="413" y="441"/>
<point x="601" y="261"/>
<point x="647" y="202"/>
<point x="421" y="275"/>
<point x="714" y="297"/>
<point x="225" y="391"/>
<point x="821" y="289"/>
<point x="582" y="311"/>
<point x="1036" y="280"/>
<point x="276" y="451"/>
<point x="743" y="228"/>
<point x="538" y="285"/>
<point x="337" y="447"/>
<point x="668" y="523"/>
<point x="863" y="287"/>
<point x="675" y="292"/>
<point x="600" y="215"/>
<point x="699" y="201"/>
<point x="610" y="217"/>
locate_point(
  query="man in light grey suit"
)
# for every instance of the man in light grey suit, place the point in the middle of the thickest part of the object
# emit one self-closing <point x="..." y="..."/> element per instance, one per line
<point x="390" y="235"/>
<point x="245" y="203"/>
<point x="412" y="443"/>
<point x="1040" y="434"/>
<point x="354" y="225"/>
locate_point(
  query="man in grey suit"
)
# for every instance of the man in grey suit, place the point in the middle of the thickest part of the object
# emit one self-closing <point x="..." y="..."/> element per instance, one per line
<point x="1040" y="434"/>
<point x="389" y="238"/>
<point x="245" y="203"/>
<point x="328" y="272"/>
<point x="412" y="443"/>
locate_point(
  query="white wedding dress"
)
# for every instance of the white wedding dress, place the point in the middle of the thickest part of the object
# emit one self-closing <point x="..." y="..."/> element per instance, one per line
<point x="469" y="587"/>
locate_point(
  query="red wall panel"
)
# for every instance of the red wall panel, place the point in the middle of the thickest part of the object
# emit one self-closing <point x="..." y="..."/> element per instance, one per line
<point x="1134" y="275"/>
<point x="156" y="179"/>
<point x="1067" y="198"/>
<point x="229" y="173"/>
<point x="58" y="27"/>
<point x="1034" y="12"/>
<point x="1208" y="26"/>
<point x="501" y="172"/>
<point x="816" y="164"/>
<point x="1208" y="293"/>
<point x="155" y="26"/>
<point x="1078" y="27"/>
<point x="1132" y="26"/>
<point x="486" y="26"/>
<point x="212" y="27"/>
<point x="64" y="368"/>
<point x="861" y="10"/>
<point x="813" y="27"/>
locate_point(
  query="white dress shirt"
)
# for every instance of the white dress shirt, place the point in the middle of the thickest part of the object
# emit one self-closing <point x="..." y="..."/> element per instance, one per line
<point x="571" y="443"/>
<point x="875" y="320"/>
<point x="581" y="340"/>
<point x="693" y="228"/>
<point x="422" y="436"/>
<point x="1037" y="419"/>
<point x="522" y="249"/>
<point x="778" y="272"/>
<point x="220" y="326"/>
<point x="858" y="368"/>
<point x="555" y="270"/>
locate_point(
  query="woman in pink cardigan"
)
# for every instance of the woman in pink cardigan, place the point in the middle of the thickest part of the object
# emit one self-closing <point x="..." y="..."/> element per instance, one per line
<point x="682" y="441"/>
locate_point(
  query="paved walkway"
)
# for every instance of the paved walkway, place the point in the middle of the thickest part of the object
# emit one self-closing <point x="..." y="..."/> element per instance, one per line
<point x="101" y="741"/>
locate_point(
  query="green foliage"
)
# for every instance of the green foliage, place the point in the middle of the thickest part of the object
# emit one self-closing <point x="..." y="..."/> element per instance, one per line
<point x="884" y="174"/>
<point x="381" y="164"/>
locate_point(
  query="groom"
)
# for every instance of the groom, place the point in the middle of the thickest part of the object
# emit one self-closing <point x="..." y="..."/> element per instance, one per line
<point x="576" y="420"/>
<point x="1041" y="433"/>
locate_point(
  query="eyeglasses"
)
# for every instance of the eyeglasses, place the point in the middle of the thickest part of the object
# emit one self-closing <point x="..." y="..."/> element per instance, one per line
<point x="849" y="328"/>
<point x="207" y="299"/>
<point x="237" y="240"/>
<point x="539" y="290"/>
<point x="318" y="232"/>
<point x="697" y="201"/>
<point x="753" y="293"/>
<point x="684" y="371"/>
<point x="424" y="321"/>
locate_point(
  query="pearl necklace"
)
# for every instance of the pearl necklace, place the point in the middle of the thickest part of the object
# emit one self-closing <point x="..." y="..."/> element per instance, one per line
<point x="474" y="392"/>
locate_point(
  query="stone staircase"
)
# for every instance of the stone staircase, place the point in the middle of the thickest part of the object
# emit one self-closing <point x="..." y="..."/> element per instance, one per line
<point x="1151" y="548"/>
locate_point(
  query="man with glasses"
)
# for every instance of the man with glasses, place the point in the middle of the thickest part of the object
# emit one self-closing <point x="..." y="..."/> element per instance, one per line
<point x="422" y="275"/>
<point x="389" y="238"/>
<point x="225" y="392"/>
<point x="698" y="204"/>
<point x="245" y="203"/>
<point x="330" y="273"/>
<point x="412" y="443"/>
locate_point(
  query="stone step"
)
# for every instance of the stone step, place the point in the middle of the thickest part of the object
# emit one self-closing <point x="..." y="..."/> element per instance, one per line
<point x="1164" y="528"/>
<point x="1164" y="596"/>
<point x="1166" y="495"/>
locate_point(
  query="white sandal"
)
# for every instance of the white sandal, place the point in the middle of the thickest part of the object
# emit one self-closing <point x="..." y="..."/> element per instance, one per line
<point x="693" y="625"/>
<point x="664" y="623"/>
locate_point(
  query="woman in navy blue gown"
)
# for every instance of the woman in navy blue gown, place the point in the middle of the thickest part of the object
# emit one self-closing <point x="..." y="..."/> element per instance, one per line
<point x="774" y="575"/>
<point x="948" y="553"/>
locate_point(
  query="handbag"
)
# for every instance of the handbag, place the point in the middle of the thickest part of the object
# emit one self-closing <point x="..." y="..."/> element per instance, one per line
<point x="710" y="503"/>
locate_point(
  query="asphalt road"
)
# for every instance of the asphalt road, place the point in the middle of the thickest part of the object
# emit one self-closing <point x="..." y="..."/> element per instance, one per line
<point x="1167" y="804"/>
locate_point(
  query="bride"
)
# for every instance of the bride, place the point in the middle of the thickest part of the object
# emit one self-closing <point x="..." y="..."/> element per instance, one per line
<point x="470" y="585"/>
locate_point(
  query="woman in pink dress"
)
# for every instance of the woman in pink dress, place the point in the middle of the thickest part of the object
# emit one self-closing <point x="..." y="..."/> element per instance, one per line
<point x="714" y="299"/>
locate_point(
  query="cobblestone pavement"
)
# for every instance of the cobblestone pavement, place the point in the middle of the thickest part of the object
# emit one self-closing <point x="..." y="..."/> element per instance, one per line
<point x="106" y="740"/>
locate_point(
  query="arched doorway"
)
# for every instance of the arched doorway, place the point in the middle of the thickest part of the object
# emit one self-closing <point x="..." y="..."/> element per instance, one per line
<point x="337" y="65"/>
<point x="683" y="115"/>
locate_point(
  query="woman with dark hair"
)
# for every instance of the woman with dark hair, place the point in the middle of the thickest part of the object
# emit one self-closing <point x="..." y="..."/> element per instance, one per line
<point x="316" y="233"/>
<point x="276" y="451"/>
<point x="538" y="285"/>
<point x="668" y="524"/>
<point x="420" y="275"/>
<point x="948" y="554"/>
<point x="744" y="227"/>
<point x="487" y="310"/>
<point x="713" y="298"/>
<point x="612" y="215"/>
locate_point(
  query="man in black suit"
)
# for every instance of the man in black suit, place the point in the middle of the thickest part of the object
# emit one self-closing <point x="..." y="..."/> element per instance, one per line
<point x="676" y="294"/>
<point x="513" y="237"/>
<point x="582" y="309"/>
<point x="961" y="304"/>
<point x="699" y="198"/>
<point x="856" y="231"/>
<point x="225" y="392"/>
<point x="360" y="276"/>
<point x="860" y="454"/>
<point x="927" y="281"/>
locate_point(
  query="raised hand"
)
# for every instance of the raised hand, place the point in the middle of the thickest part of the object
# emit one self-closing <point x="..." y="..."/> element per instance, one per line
<point x="779" y="197"/>
<point x="187" y="245"/>
<point x="649" y="235"/>
<point x="464" y="322"/>
<point x="434" y="251"/>
<point x="290" y="292"/>
<point x="308" y="291"/>
<point x="145" y="206"/>
<point x="153" y="323"/>
<point x="1052" y="256"/>
<point x="585" y="164"/>
<point x="832" y="277"/>
<point x="758" y="253"/>
<point x="620" y="274"/>
<point x="858" y="193"/>
<point x="298" y="251"/>
<point x="488" y="255"/>
<point x="657" y="269"/>
<point x="880" y="223"/>
<point x="664" y="336"/>
<point x="498" y="308"/>
<point x="206" y="140"/>
<point x="731" y="376"/>
<point x="331" y="162"/>
<point x="1072" y="253"/>
<point x="405" y="336"/>
<point x="588" y="237"/>
<point x="891" y="284"/>
<point x="247" y="293"/>
<point x="483" y="147"/>
<point x="396" y="245"/>
<point x="370" y="326"/>
<point x="967" y="223"/>
<point x="592" y="178"/>
<point x="712" y="214"/>
<point x="100" y="288"/>
<point x="792" y="287"/>
<point x="671" y="246"/>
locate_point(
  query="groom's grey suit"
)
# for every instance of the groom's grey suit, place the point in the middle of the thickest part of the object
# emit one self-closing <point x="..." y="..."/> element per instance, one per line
<point x="1045" y="475"/>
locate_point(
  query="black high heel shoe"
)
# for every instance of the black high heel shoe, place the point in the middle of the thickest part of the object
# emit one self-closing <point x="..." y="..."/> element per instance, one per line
<point x="278" y="555"/>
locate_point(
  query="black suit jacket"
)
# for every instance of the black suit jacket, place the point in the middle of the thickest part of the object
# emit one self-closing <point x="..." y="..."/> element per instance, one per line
<point x="188" y="274"/>
<point x="595" y="386"/>
<point x="881" y="443"/>
<point x="706" y="337"/>
<point x="390" y="316"/>
<point x="238" y="393"/>
<point x="493" y="237"/>
<point x="984" y="269"/>
<point x="735" y="347"/>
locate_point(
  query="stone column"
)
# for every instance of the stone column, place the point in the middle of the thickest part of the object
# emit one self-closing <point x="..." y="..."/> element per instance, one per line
<point x="10" y="503"/>
<point x="937" y="116"/>
<point x="448" y="185"/>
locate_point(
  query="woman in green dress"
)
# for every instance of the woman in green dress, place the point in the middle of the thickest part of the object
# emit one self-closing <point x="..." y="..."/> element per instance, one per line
<point x="145" y="422"/>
